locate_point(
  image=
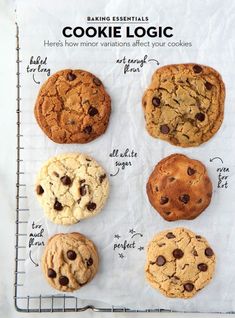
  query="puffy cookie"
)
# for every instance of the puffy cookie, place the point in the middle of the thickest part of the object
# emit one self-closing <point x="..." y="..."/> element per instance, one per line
<point x="179" y="263"/>
<point x="179" y="188"/>
<point x="71" y="187"/>
<point x="184" y="104"/>
<point x="69" y="261"/>
<point x="73" y="107"/>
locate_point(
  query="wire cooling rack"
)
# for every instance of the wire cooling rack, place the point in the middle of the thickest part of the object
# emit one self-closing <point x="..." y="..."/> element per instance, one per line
<point x="40" y="303"/>
<point x="43" y="303"/>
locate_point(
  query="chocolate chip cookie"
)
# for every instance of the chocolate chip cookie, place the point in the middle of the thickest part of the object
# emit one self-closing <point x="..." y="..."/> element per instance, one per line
<point x="179" y="188"/>
<point x="71" y="187"/>
<point x="73" y="107"/>
<point x="184" y="104"/>
<point x="179" y="263"/>
<point x="69" y="261"/>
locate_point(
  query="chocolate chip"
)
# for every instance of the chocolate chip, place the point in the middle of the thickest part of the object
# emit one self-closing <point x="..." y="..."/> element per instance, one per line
<point x="200" y="116"/>
<point x="82" y="181"/>
<point x="96" y="81"/>
<point x="171" y="179"/>
<point x="102" y="177"/>
<point x="184" y="198"/>
<point x="164" y="200"/>
<point x="199" y="201"/>
<point x="83" y="190"/>
<point x="91" y="206"/>
<point x="188" y="287"/>
<point x="89" y="261"/>
<point x="208" y="86"/>
<point x="92" y="111"/>
<point x="160" y="260"/>
<point x="78" y="201"/>
<point x="198" y="237"/>
<point x="195" y="253"/>
<point x="63" y="280"/>
<point x="56" y="174"/>
<point x="156" y="188"/>
<point x="164" y="129"/>
<point x="58" y="206"/>
<point x="178" y="253"/>
<point x="197" y="69"/>
<point x="66" y="180"/>
<point x="209" y="252"/>
<point x="156" y="101"/>
<point x="39" y="190"/>
<point x="170" y="235"/>
<point x="71" y="255"/>
<point x="71" y="77"/>
<point x="87" y="129"/>
<point x="202" y="267"/>
<point x="191" y="171"/>
<point x="167" y="212"/>
<point x="51" y="273"/>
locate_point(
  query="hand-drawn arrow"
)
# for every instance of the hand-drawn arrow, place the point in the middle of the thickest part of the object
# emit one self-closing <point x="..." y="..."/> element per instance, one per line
<point x="154" y="61"/>
<point x="212" y="159"/>
<point x="36" y="264"/>
<point x="35" y="80"/>
<point x="113" y="175"/>
<point x="137" y="234"/>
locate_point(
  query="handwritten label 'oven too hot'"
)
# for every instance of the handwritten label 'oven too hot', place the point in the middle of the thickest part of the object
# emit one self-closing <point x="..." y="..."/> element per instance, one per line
<point x="223" y="175"/>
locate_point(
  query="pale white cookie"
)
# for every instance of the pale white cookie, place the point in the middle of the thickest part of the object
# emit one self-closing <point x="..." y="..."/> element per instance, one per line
<point x="71" y="187"/>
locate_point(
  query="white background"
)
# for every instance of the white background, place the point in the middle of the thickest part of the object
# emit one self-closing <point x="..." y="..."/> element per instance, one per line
<point x="8" y="168"/>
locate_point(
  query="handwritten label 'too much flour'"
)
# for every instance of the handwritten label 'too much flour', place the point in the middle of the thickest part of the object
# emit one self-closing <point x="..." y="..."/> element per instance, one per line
<point x="36" y="235"/>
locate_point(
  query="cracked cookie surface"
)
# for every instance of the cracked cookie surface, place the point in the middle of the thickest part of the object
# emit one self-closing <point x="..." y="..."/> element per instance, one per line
<point x="73" y="107"/>
<point x="69" y="261"/>
<point x="184" y="104"/>
<point x="179" y="263"/>
<point x="179" y="188"/>
<point x="71" y="187"/>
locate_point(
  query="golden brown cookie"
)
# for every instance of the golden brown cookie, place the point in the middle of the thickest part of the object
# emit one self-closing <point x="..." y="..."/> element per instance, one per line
<point x="179" y="263"/>
<point x="179" y="188"/>
<point x="69" y="261"/>
<point x="184" y="104"/>
<point x="73" y="107"/>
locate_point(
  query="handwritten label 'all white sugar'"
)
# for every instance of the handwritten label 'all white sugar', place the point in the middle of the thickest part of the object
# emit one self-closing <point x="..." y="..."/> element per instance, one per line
<point x="124" y="159"/>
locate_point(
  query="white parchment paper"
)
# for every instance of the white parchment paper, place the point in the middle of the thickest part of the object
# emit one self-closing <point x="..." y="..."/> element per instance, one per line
<point x="209" y="26"/>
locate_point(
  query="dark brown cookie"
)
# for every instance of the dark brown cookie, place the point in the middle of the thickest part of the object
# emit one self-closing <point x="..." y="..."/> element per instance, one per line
<point x="179" y="188"/>
<point x="73" y="107"/>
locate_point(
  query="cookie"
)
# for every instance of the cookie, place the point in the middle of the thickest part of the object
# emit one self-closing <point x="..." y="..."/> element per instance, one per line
<point x="179" y="188"/>
<point x="73" y="107"/>
<point x="179" y="263"/>
<point x="69" y="261"/>
<point x="184" y="104"/>
<point x="71" y="187"/>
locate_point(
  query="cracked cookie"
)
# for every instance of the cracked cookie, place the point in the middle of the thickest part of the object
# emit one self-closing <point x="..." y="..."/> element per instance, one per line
<point x="73" y="107"/>
<point x="179" y="188"/>
<point x="71" y="187"/>
<point x="179" y="263"/>
<point x="69" y="261"/>
<point x="184" y="104"/>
